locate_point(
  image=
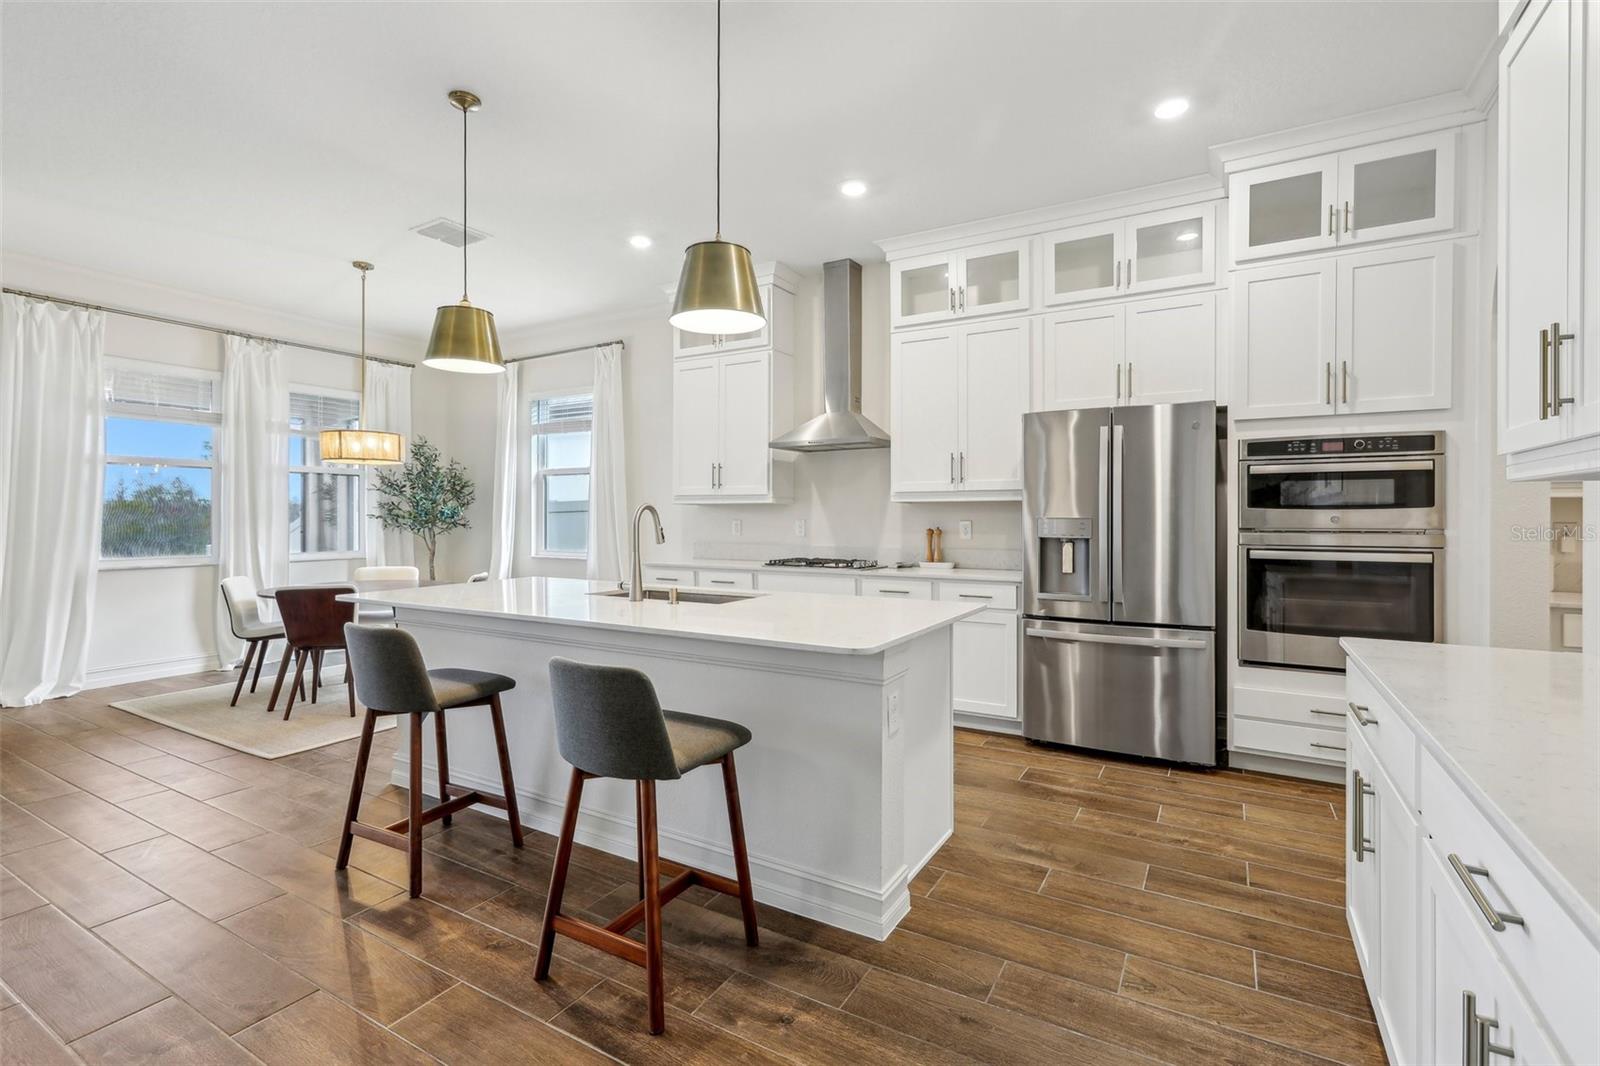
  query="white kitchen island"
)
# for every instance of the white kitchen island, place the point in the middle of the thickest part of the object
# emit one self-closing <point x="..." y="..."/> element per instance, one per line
<point x="847" y="787"/>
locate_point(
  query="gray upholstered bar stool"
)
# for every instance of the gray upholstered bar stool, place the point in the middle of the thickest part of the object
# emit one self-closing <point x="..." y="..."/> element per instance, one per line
<point x="390" y="677"/>
<point x="610" y="724"/>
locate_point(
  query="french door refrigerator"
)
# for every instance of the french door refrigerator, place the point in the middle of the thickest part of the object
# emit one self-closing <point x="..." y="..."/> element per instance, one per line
<point x="1120" y="648"/>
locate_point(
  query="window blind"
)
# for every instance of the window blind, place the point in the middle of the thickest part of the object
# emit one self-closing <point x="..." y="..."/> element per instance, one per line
<point x="152" y="388"/>
<point x="563" y="414"/>
<point x="310" y="412"/>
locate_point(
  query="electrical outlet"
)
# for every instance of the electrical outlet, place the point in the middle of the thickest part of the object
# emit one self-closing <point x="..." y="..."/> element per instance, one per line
<point x="894" y="713"/>
<point x="799" y="527"/>
<point x="966" y="530"/>
<point x="738" y="527"/>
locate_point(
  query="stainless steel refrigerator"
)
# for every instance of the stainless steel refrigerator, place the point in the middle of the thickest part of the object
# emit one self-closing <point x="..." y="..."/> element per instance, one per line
<point x="1120" y="648"/>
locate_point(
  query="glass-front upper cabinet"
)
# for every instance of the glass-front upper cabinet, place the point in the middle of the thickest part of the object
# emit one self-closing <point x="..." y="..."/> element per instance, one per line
<point x="1083" y="263"/>
<point x="990" y="279"/>
<point x="1170" y="249"/>
<point x="688" y="343"/>
<point x="1394" y="189"/>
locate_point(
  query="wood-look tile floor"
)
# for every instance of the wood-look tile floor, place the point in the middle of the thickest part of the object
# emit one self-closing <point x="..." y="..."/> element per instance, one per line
<point x="165" y="900"/>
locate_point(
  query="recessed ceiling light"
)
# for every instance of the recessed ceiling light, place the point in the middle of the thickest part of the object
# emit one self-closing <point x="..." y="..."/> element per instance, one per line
<point x="1171" y="109"/>
<point x="853" y="188"/>
<point x="1188" y="235"/>
<point x="640" y="241"/>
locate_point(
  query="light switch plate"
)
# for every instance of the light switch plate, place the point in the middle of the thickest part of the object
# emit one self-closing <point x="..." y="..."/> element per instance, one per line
<point x="966" y="530"/>
<point x="738" y="527"/>
<point x="894" y="713"/>
<point x="799" y="527"/>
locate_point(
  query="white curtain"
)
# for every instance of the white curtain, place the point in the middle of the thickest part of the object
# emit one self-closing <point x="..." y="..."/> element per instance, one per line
<point x="608" y="474"/>
<point x="52" y="465"/>
<point x="507" y="435"/>
<point x="387" y="406"/>
<point x="253" y="460"/>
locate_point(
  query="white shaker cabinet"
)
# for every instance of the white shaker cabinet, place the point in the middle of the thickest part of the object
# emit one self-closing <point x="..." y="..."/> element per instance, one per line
<point x="1139" y="352"/>
<point x="1168" y="249"/>
<point x="958" y="395"/>
<point x="696" y="434"/>
<point x="983" y="664"/>
<point x="1283" y="340"/>
<point x="1549" y="395"/>
<point x="984" y="280"/>
<point x="725" y="408"/>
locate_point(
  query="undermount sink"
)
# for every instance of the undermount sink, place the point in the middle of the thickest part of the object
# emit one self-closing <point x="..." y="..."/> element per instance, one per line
<point x="683" y="596"/>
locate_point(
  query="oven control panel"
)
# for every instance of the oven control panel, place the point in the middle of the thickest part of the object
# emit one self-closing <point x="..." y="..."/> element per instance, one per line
<point x="1328" y="447"/>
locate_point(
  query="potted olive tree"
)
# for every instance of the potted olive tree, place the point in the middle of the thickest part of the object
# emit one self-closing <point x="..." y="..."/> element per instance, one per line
<point x="425" y="496"/>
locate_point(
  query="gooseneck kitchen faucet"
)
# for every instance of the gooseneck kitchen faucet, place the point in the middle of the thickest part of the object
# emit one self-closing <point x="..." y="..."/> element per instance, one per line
<point x="636" y="587"/>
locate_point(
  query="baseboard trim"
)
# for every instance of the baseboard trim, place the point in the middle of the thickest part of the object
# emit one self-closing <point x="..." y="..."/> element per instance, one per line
<point x="1269" y="764"/>
<point x="809" y="893"/>
<point x="123" y="673"/>
<point x="988" y="724"/>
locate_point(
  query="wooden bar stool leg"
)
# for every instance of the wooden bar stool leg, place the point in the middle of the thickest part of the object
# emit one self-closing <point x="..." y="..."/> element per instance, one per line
<point x="558" y="876"/>
<point x="414" y="825"/>
<point x="244" y="671"/>
<point x="741" y="857"/>
<point x="354" y="809"/>
<point x="443" y="755"/>
<point x="277" y="686"/>
<point x="299" y="681"/>
<point x="506" y="781"/>
<point x="655" y="978"/>
<point x="261" y="657"/>
<point x="638" y="833"/>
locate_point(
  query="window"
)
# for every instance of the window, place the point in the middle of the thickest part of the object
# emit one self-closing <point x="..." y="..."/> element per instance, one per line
<point x="561" y="426"/>
<point x="160" y="475"/>
<point x="325" y="499"/>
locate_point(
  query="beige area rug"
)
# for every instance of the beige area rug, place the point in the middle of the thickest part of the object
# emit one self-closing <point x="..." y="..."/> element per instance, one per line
<point x="204" y="712"/>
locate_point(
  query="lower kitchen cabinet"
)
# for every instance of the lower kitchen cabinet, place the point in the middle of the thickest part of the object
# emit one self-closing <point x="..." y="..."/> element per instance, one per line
<point x="983" y="665"/>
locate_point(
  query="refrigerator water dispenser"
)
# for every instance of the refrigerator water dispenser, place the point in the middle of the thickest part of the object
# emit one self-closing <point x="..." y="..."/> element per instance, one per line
<point x="1065" y="569"/>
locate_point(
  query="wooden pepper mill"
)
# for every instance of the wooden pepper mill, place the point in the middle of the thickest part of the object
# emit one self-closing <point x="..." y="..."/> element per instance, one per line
<point x="938" y="544"/>
<point x="927" y="556"/>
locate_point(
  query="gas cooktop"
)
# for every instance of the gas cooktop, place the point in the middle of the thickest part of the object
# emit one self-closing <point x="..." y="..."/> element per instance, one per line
<point x="825" y="564"/>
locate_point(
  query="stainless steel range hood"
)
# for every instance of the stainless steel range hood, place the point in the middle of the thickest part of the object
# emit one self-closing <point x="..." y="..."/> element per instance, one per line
<point x="841" y="426"/>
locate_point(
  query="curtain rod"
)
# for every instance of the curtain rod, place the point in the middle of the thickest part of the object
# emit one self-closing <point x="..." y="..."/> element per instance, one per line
<point x="202" y="326"/>
<point x="567" y="351"/>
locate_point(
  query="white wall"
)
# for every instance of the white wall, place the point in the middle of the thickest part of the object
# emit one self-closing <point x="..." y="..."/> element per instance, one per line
<point x="1591" y="570"/>
<point x="843" y="497"/>
<point x="151" y="622"/>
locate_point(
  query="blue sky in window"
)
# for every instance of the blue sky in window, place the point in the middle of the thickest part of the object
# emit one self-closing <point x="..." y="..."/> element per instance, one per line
<point x="151" y="438"/>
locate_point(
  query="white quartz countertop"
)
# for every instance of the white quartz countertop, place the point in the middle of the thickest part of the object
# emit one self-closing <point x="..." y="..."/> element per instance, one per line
<point x="1520" y="732"/>
<point x="799" y="621"/>
<point x="959" y="573"/>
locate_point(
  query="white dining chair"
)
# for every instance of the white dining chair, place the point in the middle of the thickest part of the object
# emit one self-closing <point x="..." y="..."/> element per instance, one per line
<point x="244" y="618"/>
<point x="475" y="578"/>
<point x="375" y="578"/>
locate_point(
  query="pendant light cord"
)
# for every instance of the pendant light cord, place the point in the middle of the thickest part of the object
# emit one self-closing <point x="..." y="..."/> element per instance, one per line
<point x="464" y="204"/>
<point x="361" y="402"/>
<point x="719" y="120"/>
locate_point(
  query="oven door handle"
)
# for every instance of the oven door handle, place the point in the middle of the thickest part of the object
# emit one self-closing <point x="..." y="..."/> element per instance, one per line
<point x="1338" y="466"/>
<point x="1417" y="558"/>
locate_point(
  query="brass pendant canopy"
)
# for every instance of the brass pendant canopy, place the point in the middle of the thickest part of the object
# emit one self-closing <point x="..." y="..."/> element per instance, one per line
<point x="361" y="447"/>
<point x="464" y="338"/>
<point x="717" y="291"/>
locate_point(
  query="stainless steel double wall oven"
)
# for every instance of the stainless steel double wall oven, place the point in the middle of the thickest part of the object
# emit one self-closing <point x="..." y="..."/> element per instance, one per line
<point x="1339" y="536"/>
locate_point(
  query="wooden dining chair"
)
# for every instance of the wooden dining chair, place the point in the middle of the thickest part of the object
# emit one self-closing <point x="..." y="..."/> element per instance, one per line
<point x="313" y="624"/>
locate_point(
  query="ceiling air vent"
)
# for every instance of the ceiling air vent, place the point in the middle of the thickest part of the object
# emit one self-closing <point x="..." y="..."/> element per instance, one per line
<point x="442" y="229"/>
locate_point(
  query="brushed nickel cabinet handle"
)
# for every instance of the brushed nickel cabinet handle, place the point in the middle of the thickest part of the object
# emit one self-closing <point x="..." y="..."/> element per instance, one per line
<point x="1330" y="714"/>
<point x="973" y="596"/>
<point x="1359" y="713"/>
<point x="952" y="300"/>
<point x="1328" y="747"/>
<point x="719" y="581"/>
<point x="1330" y="219"/>
<point x="1347" y="216"/>
<point x="1360" y="845"/>
<point x="1327" y="383"/>
<point x="952" y="468"/>
<point x="1344" y="381"/>
<point x="1119" y="380"/>
<point x="961" y="467"/>
<point x="961" y="299"/>
<point x="1476" y="1046"/>
<point x="893" y="592"/>
<point x="1130" y="273"/>
<point x="1116" y="280"/>
<point x="1130" y="381"/>
<point x="1557" y="401"/>
<point x="1497" y="919"/>
<point x="1544" y="374"/>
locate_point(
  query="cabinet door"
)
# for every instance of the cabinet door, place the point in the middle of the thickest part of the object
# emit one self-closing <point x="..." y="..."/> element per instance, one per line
<point x="761" y="338"/>
<point x="1171" y="249"/>
<point x="1395" y="835"/>
<point x="922" y="289"/>
<point x="1171" y="352"/>
<point x="696" y="419"/>
<point x="1398" y="188"/>
<point x="688" y="343"/>
<point x="1084" y="263"/>
<point x="1541" y="163"/>
<point x="994" y="279"/>
<point x="983" y="664"/>
<point x="744" y="425"/>
<point x="926" y="414"/>
<point x="1282" y="209"/>
<point x="1395" y="329"/>
<point x="993" y="390"/>
<point x="1082" y="355"/>
<point x="1362" y="856"/>
<point x="1283" y="339"/>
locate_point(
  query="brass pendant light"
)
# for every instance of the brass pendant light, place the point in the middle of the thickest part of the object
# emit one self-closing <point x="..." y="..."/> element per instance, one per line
<point x="717" y="290"/>
<point x="464" y="338"/>
<point x="364" y="447"/>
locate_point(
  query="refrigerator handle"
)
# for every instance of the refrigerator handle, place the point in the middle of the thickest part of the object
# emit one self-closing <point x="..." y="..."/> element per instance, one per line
<point x="1109" y="638"/>
<point x="1103" y="531"/>
<point x="1116" y="512"/>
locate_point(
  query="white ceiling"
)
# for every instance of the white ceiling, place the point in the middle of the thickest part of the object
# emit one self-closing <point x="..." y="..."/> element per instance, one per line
<point x="250" y="150"/>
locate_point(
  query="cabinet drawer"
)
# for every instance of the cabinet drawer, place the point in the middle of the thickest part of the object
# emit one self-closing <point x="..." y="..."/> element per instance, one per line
<point x="1389" y="737"/>
<point x="725" y="579"/>
<point x="1548" y="955"/>
<point x="1003" y="597"/>
<point x="1295" y="741"/>
<point x="892" y="588"/>
<point x="667" y="575"/>
<point x="825" y="584"/>
<point x="1283" y="705"/>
